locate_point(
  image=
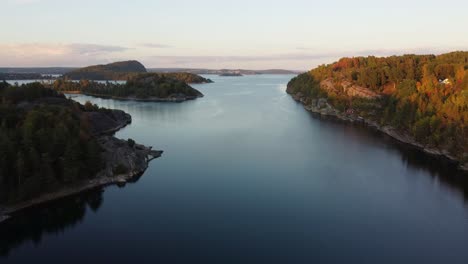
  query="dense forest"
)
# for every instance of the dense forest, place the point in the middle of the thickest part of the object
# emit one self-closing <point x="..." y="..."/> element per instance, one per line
<point x="425" y="96"/>
<point x="45" y="141"/>
<point x="141" y="86"/>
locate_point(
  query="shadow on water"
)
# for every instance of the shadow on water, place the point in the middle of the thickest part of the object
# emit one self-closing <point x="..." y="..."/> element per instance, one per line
<point x="50" y="218"/>
<point x="439" y="168"/>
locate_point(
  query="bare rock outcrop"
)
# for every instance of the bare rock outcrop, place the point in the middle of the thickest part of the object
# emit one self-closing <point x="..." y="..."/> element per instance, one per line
<point x="349" y="89"/>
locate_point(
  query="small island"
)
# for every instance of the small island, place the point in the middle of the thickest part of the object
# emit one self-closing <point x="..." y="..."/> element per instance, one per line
<point x="420" y="100"/>
<point x="231" y="74"/>
<point x="52" y="147"/>
<point x="148" y="87"/>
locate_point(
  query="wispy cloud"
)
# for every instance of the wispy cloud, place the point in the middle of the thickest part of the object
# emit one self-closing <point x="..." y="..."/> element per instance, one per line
<point x="94" y="49"/>
<point x="313" y="53"/>
<point x="82" y="54"/>
<point x="155" y="45"/>
<point x="297" y="59"/>
<point x="294" y="56"/>
<point x="32" y="54"/>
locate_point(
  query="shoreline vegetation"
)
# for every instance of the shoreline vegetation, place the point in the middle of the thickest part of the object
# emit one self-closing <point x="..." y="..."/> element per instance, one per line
<point x="140" y="85"/>
<point x="43" y="161"/>
<point x="146" y="87"/>
<point x="418" y="100"/>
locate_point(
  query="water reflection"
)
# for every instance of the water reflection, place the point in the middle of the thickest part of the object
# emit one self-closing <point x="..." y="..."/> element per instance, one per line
<point x="440" y="169"/>
<point x="51" y="218"/>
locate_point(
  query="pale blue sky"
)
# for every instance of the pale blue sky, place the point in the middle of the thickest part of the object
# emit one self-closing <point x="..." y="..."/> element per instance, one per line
<point x="292" y="34"/>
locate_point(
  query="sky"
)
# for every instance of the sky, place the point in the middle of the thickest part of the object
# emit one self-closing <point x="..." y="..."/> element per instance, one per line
<point x="253" y="34"/>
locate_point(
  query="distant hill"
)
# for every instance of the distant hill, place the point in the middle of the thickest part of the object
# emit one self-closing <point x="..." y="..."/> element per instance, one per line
<point x="223" y="71"/>
<point x="121" y="70"/>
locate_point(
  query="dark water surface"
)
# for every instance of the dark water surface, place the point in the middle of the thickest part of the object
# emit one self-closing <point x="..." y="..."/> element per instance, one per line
<point x="248" y="176"/>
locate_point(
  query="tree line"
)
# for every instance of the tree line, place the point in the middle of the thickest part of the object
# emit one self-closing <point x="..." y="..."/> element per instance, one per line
<point x="43" y="145"/>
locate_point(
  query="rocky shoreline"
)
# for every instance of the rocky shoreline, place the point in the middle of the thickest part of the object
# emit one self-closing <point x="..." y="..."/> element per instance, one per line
<point x="174" y="99"/>
<point x="116" y="153"/>
<point x="322" y="108"/>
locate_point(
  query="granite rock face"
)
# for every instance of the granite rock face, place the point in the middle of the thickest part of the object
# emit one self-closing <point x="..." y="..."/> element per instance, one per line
<point x="108" y="122"/>
<point x="118" y="153"/>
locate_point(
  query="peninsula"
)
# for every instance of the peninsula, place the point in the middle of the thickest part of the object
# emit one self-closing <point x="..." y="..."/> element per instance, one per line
<point x="419" y="100"/>
<point x="53" y="147"/>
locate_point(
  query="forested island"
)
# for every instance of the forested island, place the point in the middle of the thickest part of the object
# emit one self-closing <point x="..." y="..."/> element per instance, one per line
<point x="125" y="70"/>
<point x="51" y="147"/>
<point x="421" y="100"/>
<point x="141" y="87"/>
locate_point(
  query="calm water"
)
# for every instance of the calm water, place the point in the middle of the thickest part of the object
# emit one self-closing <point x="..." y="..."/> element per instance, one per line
<point x="248" y="176"/>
